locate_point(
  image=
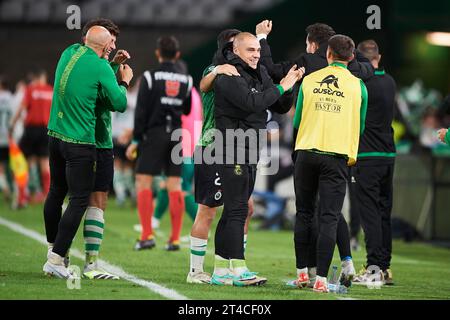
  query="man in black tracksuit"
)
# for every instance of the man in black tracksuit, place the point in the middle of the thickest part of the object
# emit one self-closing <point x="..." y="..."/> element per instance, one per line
<point x="241" y="105"/>
<point x="315" y="59"/>
<point x="375" y="167"/>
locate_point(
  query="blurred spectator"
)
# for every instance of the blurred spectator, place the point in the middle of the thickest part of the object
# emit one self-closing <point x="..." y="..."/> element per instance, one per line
<point x="275" y="205"/>
<point x="17" y="99"/>
<point x="122" y="132"/>
<point x="6" y="111"/>
<point x="36" y="103"/>
<point x="429" y="126"/>
<point x="412" y="103"/>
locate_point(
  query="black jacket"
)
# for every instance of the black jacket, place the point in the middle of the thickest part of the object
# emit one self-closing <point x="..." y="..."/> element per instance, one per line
<point x="378" y="135"/>
<point x="164" y="95"/>
<point x="242" y="103"/>
<point x="359" y="67"/>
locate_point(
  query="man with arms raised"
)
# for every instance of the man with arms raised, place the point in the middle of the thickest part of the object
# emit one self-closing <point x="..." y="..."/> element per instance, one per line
<point x="241" y="105"/>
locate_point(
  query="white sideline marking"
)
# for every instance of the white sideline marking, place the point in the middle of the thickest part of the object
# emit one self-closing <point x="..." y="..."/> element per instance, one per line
<point x="161" y="290"/>
<point x="345" y="298"/>
<point x="402" y="260"/>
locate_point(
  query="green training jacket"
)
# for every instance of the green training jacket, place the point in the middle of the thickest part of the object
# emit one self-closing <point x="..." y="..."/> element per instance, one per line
<point x="80" y="77"/>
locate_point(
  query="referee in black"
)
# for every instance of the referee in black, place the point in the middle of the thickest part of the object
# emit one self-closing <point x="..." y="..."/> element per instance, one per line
<point x="164" y="96"/>
<point x="375" y="168"/>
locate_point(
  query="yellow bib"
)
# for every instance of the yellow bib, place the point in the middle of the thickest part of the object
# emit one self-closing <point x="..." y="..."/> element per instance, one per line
<point x="330" y="119"/>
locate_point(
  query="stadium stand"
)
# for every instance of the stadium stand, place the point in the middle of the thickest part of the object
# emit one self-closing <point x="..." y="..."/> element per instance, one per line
<point x="206" y="13"/>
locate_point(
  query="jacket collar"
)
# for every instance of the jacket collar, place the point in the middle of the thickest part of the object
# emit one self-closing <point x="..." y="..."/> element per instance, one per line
<point x="380" y="72"/>
<point x="238" y="62"/>
<point x="338" y="64"/>
<point x="322" y="51"/>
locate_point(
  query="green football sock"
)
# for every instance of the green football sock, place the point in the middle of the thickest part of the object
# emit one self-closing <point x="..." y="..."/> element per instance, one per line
<point x="191" y="206"/>
<point x="34" y="182"/>
<point x="162" y="203"/>
<point x="128" y="177"/>
<point x="93" y="233"/>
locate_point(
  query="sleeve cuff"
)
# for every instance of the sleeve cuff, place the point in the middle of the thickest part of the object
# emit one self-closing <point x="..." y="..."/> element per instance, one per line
<point x="261" y="36"/>
<point x="123" y="84"/>
<point x="280" y="88"/>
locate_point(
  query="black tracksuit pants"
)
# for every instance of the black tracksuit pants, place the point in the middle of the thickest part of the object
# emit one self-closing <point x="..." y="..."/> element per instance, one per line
<point x="342" y="240"/>
<point x="238" y="182"/>
<point x="326" y="176"/>
<point x="71" y="172"/>
<point x="374" y="180"/>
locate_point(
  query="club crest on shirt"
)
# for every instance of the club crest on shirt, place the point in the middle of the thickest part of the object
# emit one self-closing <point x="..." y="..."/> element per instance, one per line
<point x="237" y="170"/>
<point x="172" y="88"/>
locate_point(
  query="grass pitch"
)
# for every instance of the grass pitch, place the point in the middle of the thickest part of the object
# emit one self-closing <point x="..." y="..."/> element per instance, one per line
<point x="420" y="271"/>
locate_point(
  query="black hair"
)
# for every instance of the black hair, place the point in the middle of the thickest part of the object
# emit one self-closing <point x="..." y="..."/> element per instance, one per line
<point x="224" y="37"/>
<point x="369" y="49"/>
<point x="223" y="45"/>
<point x="105" y="23"/>
<point x="168" y="47"/>
<point x="319" y="32"/>
<point x="342" y="47"/>
<point x="37" y="72"/>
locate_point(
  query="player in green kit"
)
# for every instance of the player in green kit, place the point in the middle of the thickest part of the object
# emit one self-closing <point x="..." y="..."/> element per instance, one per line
<point x="104" y="174"/>
<point x="208" y="187"/>
<point x="82" y="73"/>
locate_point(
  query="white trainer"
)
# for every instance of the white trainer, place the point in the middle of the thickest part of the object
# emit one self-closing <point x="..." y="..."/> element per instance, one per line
<point x="92" y="271"/>
<point x="372" y="278"/>
<point x="198" y="277"/>
<point x="66" y="258"/>
<point x="348" y="273"/>
<point x="55" y="267"/>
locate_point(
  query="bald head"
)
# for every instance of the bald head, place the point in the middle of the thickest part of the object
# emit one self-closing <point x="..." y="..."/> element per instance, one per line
<point x="242" y="37"/>
<point x="98" y="38"/>
<point x="246" y="46"/>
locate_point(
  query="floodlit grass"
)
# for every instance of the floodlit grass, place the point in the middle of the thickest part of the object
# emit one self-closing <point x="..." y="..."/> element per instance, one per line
<point x="420" y="271"/>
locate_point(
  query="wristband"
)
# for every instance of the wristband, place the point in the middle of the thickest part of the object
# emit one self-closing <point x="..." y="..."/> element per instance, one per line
<point x="214" y="71"/>
<point x="280" y="89"/>
<point x="261" y="36"/>
<point x="123" y="83"/>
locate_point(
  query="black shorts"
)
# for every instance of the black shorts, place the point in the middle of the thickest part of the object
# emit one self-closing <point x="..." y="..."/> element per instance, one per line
<point x="154" y="154"/>
<point x="4" y="154"/>
<point x="208" y="187"/>
<point x="34" y="141"/>
<point x="120" y="151"/>
<point x="104" y="170"/>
